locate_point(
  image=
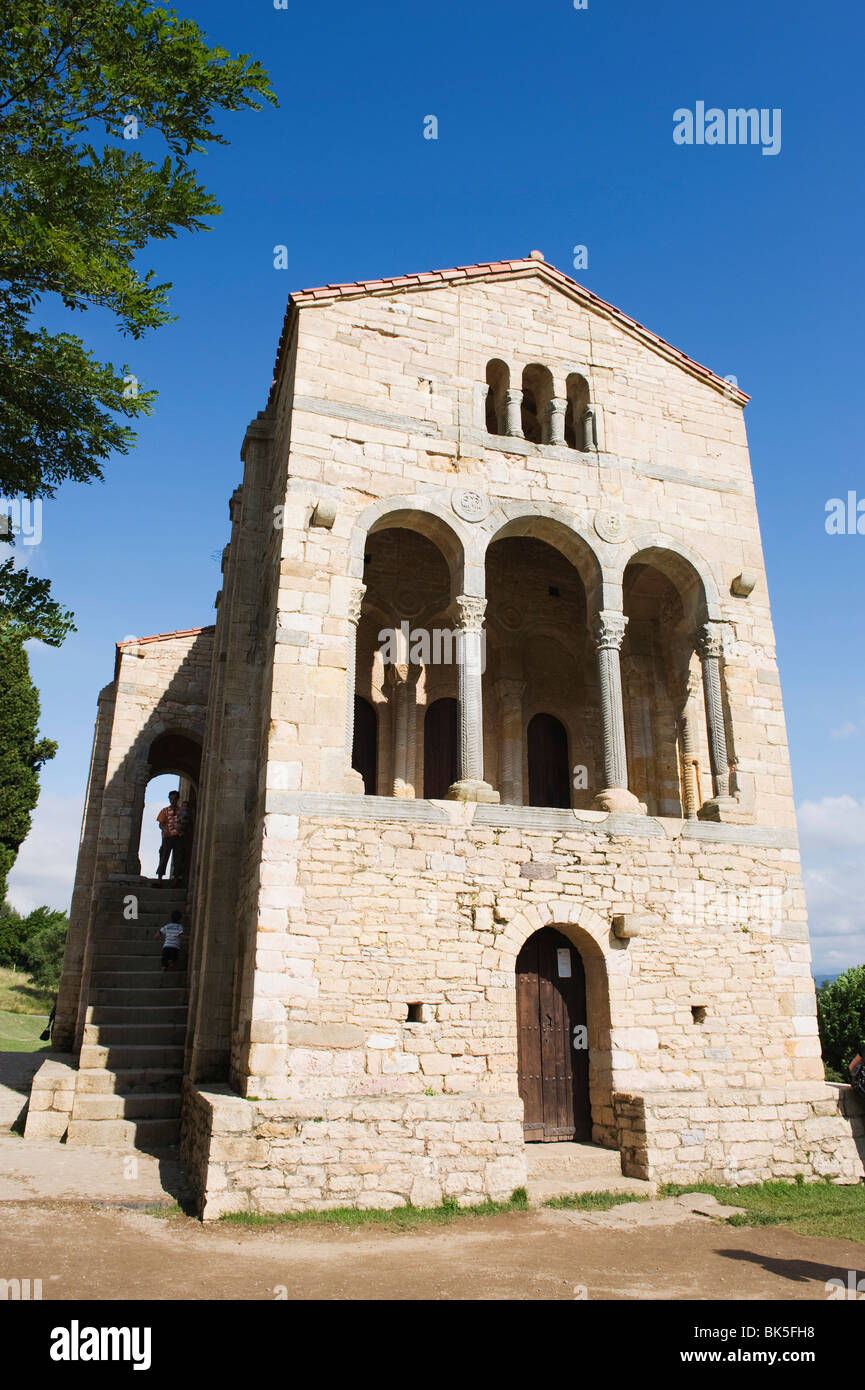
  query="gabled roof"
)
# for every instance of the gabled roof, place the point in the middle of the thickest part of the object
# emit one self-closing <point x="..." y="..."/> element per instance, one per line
<point x="489" y="270"/>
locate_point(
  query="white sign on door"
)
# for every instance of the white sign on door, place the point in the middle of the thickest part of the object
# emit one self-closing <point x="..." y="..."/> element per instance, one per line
<point x="564" y="958"/>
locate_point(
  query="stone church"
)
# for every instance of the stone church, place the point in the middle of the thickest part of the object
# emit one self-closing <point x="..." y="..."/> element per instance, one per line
<point x="495" y="841"/>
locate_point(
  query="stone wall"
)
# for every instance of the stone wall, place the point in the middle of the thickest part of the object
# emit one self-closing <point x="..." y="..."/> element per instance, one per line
<point x="381" y="1152"/>
<point x="731" y="1135"/>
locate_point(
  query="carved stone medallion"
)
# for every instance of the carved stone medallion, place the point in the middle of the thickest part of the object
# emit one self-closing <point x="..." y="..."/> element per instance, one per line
<point x="610" y="526"/>
<point x="470" y="505"/>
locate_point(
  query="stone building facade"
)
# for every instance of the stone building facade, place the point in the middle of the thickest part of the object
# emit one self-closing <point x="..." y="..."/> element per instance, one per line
<point x="493" y="673"/>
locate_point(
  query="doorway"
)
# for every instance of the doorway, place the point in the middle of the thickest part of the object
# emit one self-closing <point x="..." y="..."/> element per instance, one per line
<point x="552" y="1038"/>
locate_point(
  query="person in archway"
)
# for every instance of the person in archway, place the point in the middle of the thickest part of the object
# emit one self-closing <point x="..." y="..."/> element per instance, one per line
<point x="183" y="848"/>
<point x="171" y="934"/>
<point x="171" y="824"/>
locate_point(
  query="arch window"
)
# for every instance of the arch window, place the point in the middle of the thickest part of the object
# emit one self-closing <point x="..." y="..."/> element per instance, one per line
<point x="549" y="766"/>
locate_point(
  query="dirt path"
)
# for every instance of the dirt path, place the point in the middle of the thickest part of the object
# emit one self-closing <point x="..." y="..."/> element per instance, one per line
<point x="81" y="1252"/>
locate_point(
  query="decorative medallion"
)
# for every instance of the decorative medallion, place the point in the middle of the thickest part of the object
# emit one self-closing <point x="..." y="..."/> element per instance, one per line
<point x="511" y="618"/>
<point x="470" y="505"/>
<point x="610" y="526"/>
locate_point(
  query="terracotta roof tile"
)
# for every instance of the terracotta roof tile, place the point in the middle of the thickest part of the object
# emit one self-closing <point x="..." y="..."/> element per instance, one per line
<point x="484" y="269"/>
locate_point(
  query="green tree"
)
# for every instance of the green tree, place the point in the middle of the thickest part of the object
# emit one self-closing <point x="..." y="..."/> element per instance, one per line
<point x="22" y="753"/>
<point x="44" y="942"/>
<point x="841" y="1020"/>
<point x="13" y="931"/>
<point x="78" y="204"/>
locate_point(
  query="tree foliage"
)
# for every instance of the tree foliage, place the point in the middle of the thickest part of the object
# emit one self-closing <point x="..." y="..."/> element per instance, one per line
<point x="79" y="202"/>
<point x="34" y="943"/>
<point x="841" y="1020"/>
<point x="22" y="753"/>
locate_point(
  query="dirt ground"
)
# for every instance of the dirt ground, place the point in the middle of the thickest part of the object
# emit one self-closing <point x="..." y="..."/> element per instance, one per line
<point x="73" y="1218"/>
<point x="82" y="1252"/>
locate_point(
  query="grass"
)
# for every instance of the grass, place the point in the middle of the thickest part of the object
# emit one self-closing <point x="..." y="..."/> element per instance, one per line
<point x="20" y="1032"/>
<point x="594" y="1201"/>
<point x="811" y="1208"/>
<point x="19" y="995"/>
<point x="398" y="1219"/>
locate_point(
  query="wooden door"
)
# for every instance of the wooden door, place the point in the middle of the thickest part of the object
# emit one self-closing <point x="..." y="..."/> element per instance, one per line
<point x="549" y="766"/>
<point x="551" y="1005"/>
<point x="440" y="748"/>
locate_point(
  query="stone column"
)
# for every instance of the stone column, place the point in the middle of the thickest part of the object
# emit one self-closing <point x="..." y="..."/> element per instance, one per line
<point x="609" y="631"/>
<point x="513" y="414"/>
<point x="401" y="680"/>
<point x="470" y="784"/>
<point x="588" y="428"/>
<point x="510" y="697"/>
<point x="688" y="745"/>
<point x="709" y="648"/>
<point x="555" y="421"/>
<point x="355" y="599"/>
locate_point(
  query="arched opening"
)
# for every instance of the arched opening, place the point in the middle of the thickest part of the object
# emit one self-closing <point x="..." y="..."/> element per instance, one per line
<point x="538" y="391"/>
<point x="498" y="381"/>
<point x="548" y="762"/>
<point x="406" y="652"/>
<point x="541" y="661"/>
<point x="364" y="753"/>
<point x="553" y="1039"/>
<point x="163" y="847"/>
<point x="440" y="747"/>
<point x="579" y="422"/>
<point x="669" y="765"/>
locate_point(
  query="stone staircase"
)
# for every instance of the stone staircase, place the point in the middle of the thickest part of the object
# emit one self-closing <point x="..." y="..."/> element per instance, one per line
<point x="130" y="1069"/>
<point x="566" y="1170"/>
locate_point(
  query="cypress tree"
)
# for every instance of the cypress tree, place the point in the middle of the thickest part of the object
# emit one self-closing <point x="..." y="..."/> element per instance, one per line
<point x="22" y="752"/>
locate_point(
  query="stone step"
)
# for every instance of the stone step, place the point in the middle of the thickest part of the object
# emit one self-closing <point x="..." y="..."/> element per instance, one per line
<point x="566" y="1170"/>
<point x="162" y="990"/>
<point x="123" y="1134"/>
<point x="95" y="1055"/>
<point x="126" y="1081"/>
<point x="137" y="1014"/>
<point x="137" y="979"/>
<point x="134" y="1034"/>
<point x="113" y="938"/>
<point x="135" y="1105"/>
<point x="144" y="957"/>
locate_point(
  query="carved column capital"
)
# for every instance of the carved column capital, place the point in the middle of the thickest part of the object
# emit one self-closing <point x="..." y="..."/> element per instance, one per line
<point x="471" y="612"/>
<point x="508" y="691"/>
<point x="609" y="630"/>
<point x="709" y="642"/>
<point x="355" y="600"/>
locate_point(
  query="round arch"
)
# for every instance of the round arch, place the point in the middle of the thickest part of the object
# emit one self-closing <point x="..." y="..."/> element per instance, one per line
<point x="423" y="515"/>
<point x="687" y="571"/>
<point x="559" y="529"/>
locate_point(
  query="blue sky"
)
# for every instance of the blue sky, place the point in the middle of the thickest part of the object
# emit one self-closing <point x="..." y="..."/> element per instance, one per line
<point x="555" y="129"/>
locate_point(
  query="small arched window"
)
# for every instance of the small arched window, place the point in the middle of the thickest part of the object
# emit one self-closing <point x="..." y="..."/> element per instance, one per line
<point x="580" y="428"/>
<point x="498" y="381"/>
<point x="538" y="391"/>
<point x="549" y="765"/>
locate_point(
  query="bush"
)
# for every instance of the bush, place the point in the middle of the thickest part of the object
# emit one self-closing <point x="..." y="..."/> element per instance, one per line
<point x="44" y="945"/>
<point x="841" y="1019"/>
<point x="34" y="943"/>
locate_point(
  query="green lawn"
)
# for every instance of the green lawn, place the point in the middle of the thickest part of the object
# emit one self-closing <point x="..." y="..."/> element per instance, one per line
<point x="20" y="1032"/>
<point x="24" y="1010"/>
<point x="811" y="1208"/>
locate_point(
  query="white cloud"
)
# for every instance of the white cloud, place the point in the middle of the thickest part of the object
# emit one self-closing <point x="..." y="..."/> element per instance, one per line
<point x="834" y="822"/>
<point x="829" y="830"/>
<point x="44" y="871"/>
<point x="845" y="730"/>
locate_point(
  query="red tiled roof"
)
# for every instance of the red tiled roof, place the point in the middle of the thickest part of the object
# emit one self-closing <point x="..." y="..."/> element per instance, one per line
<point x="528" y="265"/>
<point x="164" y="636"/>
